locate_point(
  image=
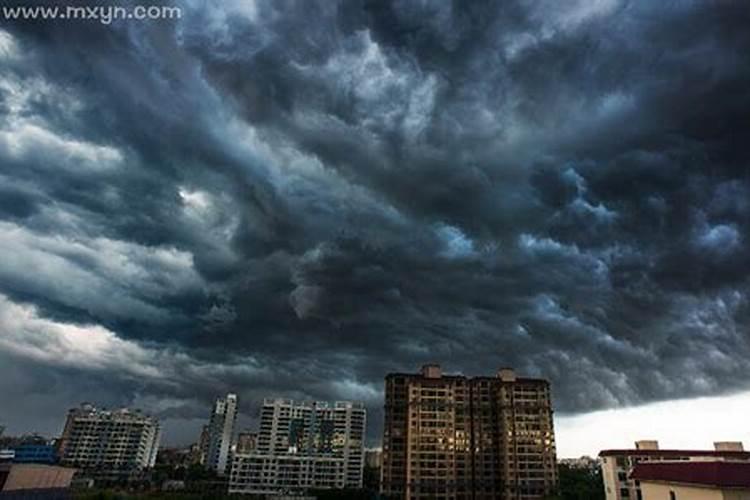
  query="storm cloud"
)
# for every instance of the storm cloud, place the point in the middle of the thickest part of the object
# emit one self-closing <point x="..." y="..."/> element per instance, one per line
<point x="295" y="198"/>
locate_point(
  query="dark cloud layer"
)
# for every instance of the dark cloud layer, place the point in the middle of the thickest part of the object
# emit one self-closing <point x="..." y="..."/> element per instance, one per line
<point x="295" y="198"/>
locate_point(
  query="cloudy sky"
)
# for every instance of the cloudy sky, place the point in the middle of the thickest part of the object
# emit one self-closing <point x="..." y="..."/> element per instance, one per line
<point x="286" y="198"/>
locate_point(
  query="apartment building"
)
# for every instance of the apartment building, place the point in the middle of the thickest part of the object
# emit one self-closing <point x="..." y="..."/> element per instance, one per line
<point x="109" y="444"/>
<point x="303" y="445"/>
<point x="451" y="437"/>
<point x="220" y="434"/>
<point x="618" y="465"/>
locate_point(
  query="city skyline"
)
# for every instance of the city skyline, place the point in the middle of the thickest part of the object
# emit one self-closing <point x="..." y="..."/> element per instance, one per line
<point x="277" y="199"/>
<point x="576" y="435"/>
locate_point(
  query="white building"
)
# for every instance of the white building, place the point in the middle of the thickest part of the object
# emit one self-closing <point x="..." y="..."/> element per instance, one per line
<point x="220" y="433"/>
<point x="303" y="445"/>
<point x="109" y="443"/>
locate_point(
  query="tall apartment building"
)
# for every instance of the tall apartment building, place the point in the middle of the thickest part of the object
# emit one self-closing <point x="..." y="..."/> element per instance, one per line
<point x="109" y="444"/>
<point x="220" y="433"/>
<point x="617" y="465"/>
<point x="449" y="437"/>
<point x="303" y="445"/>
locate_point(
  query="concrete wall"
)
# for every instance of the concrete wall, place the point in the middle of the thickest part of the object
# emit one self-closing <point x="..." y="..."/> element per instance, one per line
<point x="737" y="495"/>
<point x="609" y="476"/>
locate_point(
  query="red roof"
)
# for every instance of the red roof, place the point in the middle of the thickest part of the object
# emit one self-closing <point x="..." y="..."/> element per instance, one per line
<point x="720" y="474"/>
<point x="740" y="455"/>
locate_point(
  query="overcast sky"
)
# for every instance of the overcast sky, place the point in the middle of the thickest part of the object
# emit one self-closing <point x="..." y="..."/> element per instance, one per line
<point x="293" y="199"/>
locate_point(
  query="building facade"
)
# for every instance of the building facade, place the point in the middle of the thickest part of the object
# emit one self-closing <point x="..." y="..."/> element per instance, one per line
<point x="247" y="442"/>
<point x="220" y="433"/>
<point x="699" y="480"/>
<point x="109" y="444"/>
<point x="450" y="437"/>
<point x="301" y="446"/>
<point x="617" y="465"/>
<point x="35" y="453"/>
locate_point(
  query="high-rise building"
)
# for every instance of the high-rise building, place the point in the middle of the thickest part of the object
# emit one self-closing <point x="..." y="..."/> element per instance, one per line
<point x="303" y="445"/>
<point x="220" y="433"/>
<point x="617" y="465"/>
<point x="451" y="437"/>
<point x="108" y="444"/>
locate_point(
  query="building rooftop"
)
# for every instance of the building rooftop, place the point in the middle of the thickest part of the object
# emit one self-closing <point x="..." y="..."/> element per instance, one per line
<point x="716" y="474"/>
<point x="313" y="404"/>
<point x="741" y="455"/>
<point x="434" y="372"/>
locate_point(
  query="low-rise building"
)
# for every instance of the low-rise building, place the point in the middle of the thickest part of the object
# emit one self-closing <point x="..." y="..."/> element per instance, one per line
<point x="617" y="465"/>
<point x="702" y="480"/>
<point x="35" y="449"/>
<point x="34" y="481"/>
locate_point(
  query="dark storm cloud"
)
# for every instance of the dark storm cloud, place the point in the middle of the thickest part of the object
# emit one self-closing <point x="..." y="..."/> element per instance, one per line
<point x="295" y="198"/>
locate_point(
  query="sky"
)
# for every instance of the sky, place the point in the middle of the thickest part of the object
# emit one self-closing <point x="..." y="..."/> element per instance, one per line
<point x="282" y="198"/>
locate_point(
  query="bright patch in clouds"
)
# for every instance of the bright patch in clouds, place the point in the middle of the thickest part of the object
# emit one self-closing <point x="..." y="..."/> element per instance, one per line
<point x="25" y="334"/>
<point x="680" y="424"/>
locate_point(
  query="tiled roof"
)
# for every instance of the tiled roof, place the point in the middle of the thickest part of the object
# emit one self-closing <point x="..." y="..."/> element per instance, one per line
<point x="740" y="455"/>
<point x="717" y="474"/>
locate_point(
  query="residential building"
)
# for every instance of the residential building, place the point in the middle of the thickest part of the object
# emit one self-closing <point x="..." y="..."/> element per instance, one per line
<point x="699" y="480"/>
<point x="221" y="433"/>
<point x="617" y="465"/>
<point x="109" y="444"/>
<point x="452" y="437"/>
<point x="301" y="446"/>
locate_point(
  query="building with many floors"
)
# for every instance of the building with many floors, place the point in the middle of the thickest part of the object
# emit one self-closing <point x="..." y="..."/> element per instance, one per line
<point x="302" y="446"/>
<point x="451" y="437"/>
<point x="617" y="465"/>
<point x="109" y="444"/>
<point x="221" y="433"/>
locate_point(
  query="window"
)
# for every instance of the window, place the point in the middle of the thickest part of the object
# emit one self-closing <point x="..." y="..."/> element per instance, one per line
<point x="672" y="495"/>
<point x="624" y="493"/>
